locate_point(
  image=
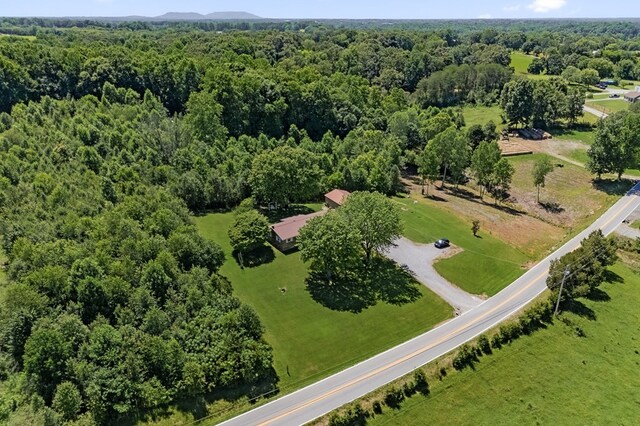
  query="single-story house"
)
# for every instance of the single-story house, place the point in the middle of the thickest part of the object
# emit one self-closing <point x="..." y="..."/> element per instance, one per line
<point x="284" y="234"/>
<point x="335" y="198"/>
<point x="632" y="96"/>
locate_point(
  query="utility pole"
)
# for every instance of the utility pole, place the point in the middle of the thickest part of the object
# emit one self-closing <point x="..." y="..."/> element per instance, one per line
<point x="564" y="276"/>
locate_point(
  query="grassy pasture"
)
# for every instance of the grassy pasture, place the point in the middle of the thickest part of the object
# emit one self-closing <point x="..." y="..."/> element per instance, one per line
<point x="550" y="377"/>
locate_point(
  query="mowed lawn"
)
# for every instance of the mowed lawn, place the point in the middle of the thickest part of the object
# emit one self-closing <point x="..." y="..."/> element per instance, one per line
<point x="550" y="377"/>
<point x="311" y="341"/>
<point x="486" y="265"/>
<point x="609" y="106"/>
<point x="520" y="62"/>
<point x="478" y="114"/>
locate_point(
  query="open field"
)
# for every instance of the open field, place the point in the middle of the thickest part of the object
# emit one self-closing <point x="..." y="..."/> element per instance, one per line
<point x="481" y="115"/>
<point x="609" y="106"/>
<point x="310" y="340"/>
<point x="550" y="377"/>
<point x="570" y="199"/>
<point x="583" y="134"/>
<point x="486" y="265"/>
<point x="520" y="62"/>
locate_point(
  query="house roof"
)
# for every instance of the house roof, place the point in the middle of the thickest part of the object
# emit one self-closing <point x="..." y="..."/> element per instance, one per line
<point x="290" y="226"/>
<point x="632" y="95"/>
<point x="337" y="196"/>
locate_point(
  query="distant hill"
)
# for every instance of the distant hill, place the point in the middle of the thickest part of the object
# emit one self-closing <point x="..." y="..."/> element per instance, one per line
<point x="215" y="16"/>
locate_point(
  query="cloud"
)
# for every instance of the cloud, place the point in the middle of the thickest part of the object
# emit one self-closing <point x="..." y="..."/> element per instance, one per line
<point x="485" y="16"/>
<point x="511" y="8"/>
<point x="544" y="6"/>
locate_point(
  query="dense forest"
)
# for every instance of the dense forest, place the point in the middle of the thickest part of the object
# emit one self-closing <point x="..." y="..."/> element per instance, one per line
<point x="112" y="134"/>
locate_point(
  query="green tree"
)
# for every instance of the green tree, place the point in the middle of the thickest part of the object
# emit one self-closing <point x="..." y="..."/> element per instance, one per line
<point x="517" y="101"/>
<point x="204" y="117"/>
<point x="45" y="356"/>
<point x="428" y="166"/>
<point x="375" y="218"/>
<point x="503" y="173"/>
<point x="249" y="232"/>
<point x="483" y="163"/>
<point x="590" y="77"/>
<point x="616" y="144"/>
<point x="285" y="175"/>
<point x="330" y="245"/>
<point x="541" y="168"/>
<point x="67" y="401"/>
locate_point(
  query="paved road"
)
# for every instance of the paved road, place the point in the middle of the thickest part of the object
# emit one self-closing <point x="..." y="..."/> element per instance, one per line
<point x="326" y="395"/>
<point x="420" y="258"/>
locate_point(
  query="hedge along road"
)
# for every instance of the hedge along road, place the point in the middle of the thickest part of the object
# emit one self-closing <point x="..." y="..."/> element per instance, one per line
<point x="328" y="394"/>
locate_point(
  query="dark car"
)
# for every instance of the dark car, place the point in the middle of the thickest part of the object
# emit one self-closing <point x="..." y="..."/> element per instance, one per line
<point x="442" y="243"/>
<point x="614" y="95"/>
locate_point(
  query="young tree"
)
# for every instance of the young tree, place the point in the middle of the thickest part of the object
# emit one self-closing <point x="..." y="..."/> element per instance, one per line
<point x="483" y="163"/>
<point x="375" y="218"/>
<point x="503" y="173"/>
<point x="330" y="245"/>
<point x="541" y="169"/>
<point x="428" y="166"/>
<point x="249" y="232"/>
<point x="475" y="227"/>
<point x="451" y="148"/>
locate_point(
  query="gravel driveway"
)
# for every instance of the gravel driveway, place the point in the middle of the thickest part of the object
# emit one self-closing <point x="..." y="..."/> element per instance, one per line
<point x="420" y="258"/>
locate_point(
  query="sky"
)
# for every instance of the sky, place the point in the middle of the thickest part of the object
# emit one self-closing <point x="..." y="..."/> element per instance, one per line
<point x="386" y="9"/>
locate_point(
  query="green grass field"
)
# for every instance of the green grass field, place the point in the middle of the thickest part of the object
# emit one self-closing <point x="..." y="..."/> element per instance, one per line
<point x="581" y="134"/>
<point x="309" y="340"/>
<point x="550" y="377"/>
<point x="482" y="115"/>
<point x="485" y="266"/>
<point x="520" y="62"/>
<point x="609" y="106"/>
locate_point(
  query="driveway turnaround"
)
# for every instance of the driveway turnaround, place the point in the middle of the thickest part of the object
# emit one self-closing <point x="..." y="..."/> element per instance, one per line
<point x="328" y="394"/>
<point x="419" y="258"/>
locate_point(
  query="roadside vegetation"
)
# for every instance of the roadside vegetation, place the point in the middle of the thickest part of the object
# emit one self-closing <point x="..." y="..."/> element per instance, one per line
<point x="592" y="337"/>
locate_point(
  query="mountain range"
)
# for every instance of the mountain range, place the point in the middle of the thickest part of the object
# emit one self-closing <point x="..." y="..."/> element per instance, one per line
<point x="187" y="16"/>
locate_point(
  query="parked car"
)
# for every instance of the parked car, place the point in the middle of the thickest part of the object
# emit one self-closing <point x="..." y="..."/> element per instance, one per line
<point x="442" y="243"/>
<point x="614" y="95"/>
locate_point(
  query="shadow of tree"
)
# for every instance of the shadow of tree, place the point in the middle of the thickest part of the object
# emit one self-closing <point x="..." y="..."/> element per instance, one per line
<point x="260" y="256"/>
<point x="612" y="186"/>
<point x="551" y="206"/>
<point x="598" y="295"/>
<point x="612" y="277"/>
<point x="580" y="309"/>
<point x="380" y="281"/>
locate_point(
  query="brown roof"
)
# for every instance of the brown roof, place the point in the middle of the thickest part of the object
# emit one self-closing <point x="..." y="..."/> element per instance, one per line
<point x="632" y="95"/>
<point x="337" y="196"/>
<point x="290" y="226"/>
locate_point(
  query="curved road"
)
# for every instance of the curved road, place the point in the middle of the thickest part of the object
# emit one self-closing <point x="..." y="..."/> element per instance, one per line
<point x="326" y="395"/>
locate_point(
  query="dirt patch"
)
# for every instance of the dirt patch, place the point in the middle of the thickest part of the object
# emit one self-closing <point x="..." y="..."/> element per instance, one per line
<point x="514" y="226"/>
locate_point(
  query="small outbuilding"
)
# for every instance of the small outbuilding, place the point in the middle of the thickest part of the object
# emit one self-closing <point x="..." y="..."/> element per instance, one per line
<point x="632" y="96"/>
<point x="336" y="198"/>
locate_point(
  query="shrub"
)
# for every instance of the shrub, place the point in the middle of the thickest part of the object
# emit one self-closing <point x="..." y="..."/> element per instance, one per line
<point x="466" y="356"/>
<point x="496" y="341"/>
<point x="377" y="407"/>
<point x="420" y="383"/>
<point x="355" y="415"/>
<point x="394" y="397"/>
<point x="484" y="345"/>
